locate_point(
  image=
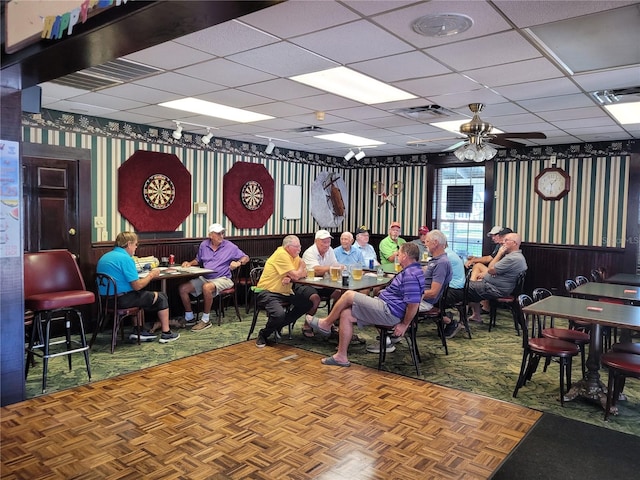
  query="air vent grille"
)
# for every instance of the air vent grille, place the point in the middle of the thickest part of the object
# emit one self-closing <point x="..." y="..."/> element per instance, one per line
<point x="311" y="129"/>
<point x="106" y="75"/>
<point x="423" y="113"/>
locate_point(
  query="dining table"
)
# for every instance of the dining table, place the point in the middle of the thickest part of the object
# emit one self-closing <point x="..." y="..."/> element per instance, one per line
<point x="177" y="272"/>
<point x="597" y="314"/>
<point x="624" y="279"/>
<point x="369" y="280"/>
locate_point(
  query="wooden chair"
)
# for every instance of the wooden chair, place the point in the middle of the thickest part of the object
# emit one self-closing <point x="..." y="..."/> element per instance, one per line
<point x="509" y="302"/>
<point x="535" y="347"/>
<point x="620" y="365"/>
<point x="598" y="274"/>
<point x="108" y="308"/>
<point x="410" y="336"/>
<point x="255" y="275"/>
<point x="246" y="281"/>
<point x="435" y="315"/>
<point x="228" y="294"/>
<point x="53" y="289"/>
<point x="580" y="338"/>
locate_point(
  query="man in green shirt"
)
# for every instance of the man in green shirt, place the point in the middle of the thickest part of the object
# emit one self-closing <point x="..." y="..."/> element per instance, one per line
<point x="390" y="245"/>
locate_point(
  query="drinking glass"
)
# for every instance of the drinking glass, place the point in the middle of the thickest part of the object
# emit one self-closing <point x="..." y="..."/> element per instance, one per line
<point x="356" y="271"/>
<point x="335" y="271"/>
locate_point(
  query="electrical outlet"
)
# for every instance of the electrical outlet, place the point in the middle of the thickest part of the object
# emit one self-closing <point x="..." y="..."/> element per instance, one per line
<point x="105" y="236"/>
<point x="98" y="222"/>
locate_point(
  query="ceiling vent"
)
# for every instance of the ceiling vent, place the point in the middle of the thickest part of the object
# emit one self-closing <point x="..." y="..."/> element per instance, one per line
<point x="311" y="129"/>
<point x="425" y="113"/>
<point x="106" y="75"/>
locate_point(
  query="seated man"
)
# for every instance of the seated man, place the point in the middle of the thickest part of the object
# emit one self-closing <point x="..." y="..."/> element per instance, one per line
<point x="367" y="250"/>
<point x="280" y="271"/>
<point x="501" y="277"/>
<point x="420" y="242"/>
<point x="119" y="264"/>
<point x="456" y="288"/>
<point x="217" y="254"/>
<point x="346" y="254"/>
<point x="390" y="245"/>
<point x="479" y="264"/>
<point x="437" y="274"/>
<point x="396" y="306"/>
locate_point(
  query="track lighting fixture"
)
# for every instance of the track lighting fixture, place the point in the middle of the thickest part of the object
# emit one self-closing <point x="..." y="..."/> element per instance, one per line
<point x="177" y="134"/>
<point x="360" y="155"/>
<point x="270" y="147"/>
<point x="349" y="155"/>
<point x="207" y="138"/>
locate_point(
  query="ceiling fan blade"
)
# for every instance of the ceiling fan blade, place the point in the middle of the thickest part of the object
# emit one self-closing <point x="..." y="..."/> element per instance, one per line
<point x="503" y="142"/>
<point x="420" y="142"/>
<point x="455" y="145"/>
<point x="521" y="135"/>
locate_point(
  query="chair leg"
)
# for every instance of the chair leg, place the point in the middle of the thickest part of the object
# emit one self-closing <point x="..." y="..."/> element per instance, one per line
<point x="493" y="311"/>
<point x="462" y="311"/>
<point x="521" y="376"/>
<point x="254" y="320"/>
<point x="83" y="343"/>
<point x="610" y="394"/>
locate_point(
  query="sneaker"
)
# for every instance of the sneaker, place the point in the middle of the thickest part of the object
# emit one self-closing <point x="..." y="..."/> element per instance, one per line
<point x="169" y="337"/>
<point x="261" y="342"/>
<point x="198" y="327"/>
<point x="188" y="323"/>
<point x="145" y="336"/>
<point x="393" y="339"/>
<point x="451" y="329"/>
<point x="375" y="348"/>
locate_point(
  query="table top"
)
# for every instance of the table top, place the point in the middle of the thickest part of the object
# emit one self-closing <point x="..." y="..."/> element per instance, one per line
<point x="179" y="272"/>
<point x="624" y="279"/>
<point x="603" y="313"/>
<point x="627" y="293"/>
<point x="368" y="281"/>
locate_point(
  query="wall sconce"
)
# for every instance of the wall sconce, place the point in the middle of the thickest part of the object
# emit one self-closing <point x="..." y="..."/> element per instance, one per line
<point x="177" y="134"/>
<point x="270" y="147"/>
<point x="360" y="155"/>
<point x="207" y="138"/>
<point x="349" y="155"/>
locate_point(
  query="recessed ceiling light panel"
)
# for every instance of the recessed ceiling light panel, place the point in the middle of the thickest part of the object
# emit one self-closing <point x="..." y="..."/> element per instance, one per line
<point x="352" y="140"/>
<point x="625" y="113"/>
<point x="216" y="110"/>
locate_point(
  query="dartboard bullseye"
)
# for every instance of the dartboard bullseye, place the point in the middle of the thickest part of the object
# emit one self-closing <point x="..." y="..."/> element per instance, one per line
<point x="159" y="191"/>
<point x="252" y="195"/>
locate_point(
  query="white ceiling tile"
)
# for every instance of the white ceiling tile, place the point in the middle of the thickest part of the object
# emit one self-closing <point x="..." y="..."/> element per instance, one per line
<point x="178" y="84"/>
<point x="516" y="72"/>
<point x="572" y="113"/>
<point x="224" y="72"/>
<point x="169" y="56"/>
<point x="401" y="67"/>
<point x="542" y="88"/>
<point x="545" y="104"/>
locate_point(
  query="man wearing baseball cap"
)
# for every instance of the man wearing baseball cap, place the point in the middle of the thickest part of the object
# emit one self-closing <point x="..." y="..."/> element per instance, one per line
<point x="217" y="254"/>
<point x="390" y="245"/>
<point x="422" y="236"/>
<point x="362" y="244"/>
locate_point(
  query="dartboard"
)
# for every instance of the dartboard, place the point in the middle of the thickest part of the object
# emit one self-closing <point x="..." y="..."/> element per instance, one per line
<point x="158" y="191"/>
<point x="252" y="195"/>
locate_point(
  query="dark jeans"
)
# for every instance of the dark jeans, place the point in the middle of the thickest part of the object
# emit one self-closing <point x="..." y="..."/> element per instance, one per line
<point x="276" y="304"/>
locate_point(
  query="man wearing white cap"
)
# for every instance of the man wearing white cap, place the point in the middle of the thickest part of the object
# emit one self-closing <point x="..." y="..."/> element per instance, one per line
<point x="217" y="254"/>
<point x="479" y="264"/>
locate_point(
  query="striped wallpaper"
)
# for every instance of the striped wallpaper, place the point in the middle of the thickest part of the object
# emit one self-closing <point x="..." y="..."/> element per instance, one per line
<point x="593" y="213"/>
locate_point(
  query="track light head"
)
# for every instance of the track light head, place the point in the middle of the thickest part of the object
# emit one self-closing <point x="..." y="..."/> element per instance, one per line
<point x="177" y="134"/>
<point x="207" y="138"/>
<point x="350" y="154"/>
<point x="270" y="147"/>
<point x="360" y="155"/>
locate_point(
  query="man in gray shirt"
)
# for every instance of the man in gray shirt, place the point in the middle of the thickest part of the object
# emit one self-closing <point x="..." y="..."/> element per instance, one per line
<point x="501" y="276"/>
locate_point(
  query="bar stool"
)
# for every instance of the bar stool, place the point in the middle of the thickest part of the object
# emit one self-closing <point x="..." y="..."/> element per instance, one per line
<point x="53" y="288"/>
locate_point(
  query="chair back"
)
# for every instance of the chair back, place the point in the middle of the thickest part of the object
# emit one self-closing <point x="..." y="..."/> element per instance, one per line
<point x="523" y="319"/>
<point x="255" y="275"/>
<point x="570" y="285"/>
<point x="109" y="301"/>
<point x="540" y="293"/>
<point x="598" y="275"/>
<point x="51" y="271"/>
<point x="581" y="280"/>
<point x="519" y="287"/>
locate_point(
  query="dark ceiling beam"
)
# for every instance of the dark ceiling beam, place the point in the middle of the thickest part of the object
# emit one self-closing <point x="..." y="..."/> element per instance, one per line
<point x="120" y="31"/>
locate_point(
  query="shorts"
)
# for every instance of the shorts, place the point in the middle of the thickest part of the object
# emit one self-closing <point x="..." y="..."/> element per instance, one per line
<point x="372" y="311"/>
<point x="480" y="290"/>
<point x="144" y="299"/>
<point x="221" y="283"/>
<point x="304" y="291"/>
<point x="425" y="306"/>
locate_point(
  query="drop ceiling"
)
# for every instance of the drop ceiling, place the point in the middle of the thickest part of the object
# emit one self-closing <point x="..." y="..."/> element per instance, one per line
<point x="534" y="64"/>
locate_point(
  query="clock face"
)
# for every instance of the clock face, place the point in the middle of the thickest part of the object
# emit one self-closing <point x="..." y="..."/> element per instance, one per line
<point x="158" y="191"/>
<point x="552" y="183"/>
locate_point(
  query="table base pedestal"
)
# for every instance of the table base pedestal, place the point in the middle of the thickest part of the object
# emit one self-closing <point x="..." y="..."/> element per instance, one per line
<point x="598" y="393"/>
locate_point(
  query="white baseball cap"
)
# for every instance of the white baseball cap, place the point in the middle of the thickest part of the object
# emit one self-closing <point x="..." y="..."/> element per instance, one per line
<point x="322" y="234"/>
<point x="216" y="228"/>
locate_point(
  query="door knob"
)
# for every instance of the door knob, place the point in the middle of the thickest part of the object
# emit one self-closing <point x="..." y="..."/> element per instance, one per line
<point x="72" y="231"/>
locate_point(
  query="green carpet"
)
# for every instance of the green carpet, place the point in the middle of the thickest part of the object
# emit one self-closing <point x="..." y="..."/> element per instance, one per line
<point x="487" y="365"/>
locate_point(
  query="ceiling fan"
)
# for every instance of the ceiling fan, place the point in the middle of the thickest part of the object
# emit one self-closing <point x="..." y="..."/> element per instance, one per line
<point x="478" y="132"/>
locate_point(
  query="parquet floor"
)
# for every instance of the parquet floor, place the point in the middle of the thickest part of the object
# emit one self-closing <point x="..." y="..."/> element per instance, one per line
<point x="272" y="413"/>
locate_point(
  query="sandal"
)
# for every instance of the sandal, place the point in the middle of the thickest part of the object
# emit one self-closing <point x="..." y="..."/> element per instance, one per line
<point x="307" y="331"/>
<point x="316" y="328"/>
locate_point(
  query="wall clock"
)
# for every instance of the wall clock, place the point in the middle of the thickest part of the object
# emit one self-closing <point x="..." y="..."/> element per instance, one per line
<point x="552" y="183"/>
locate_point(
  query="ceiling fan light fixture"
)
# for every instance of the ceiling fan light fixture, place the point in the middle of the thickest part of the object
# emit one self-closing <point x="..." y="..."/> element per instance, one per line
<point x="489" y="151"/>
<point x="459" y="153"/>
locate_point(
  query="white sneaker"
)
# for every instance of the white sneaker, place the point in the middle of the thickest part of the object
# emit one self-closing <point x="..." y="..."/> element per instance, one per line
<point x="375" y="348"/>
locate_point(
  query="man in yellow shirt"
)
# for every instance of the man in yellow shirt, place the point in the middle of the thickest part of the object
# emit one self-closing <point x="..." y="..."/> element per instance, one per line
<point x="280" y="271"/>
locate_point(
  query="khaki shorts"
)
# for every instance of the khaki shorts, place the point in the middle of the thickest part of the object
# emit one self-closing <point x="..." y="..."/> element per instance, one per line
<point x="221" y="283"/>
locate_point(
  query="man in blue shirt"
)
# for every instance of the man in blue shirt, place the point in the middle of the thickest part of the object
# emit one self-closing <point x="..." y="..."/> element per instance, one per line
<point x="119" y="264"/>
<point x="362" y="243"/>
<point x="217" y="254"/>
<point x="396" y="306"/>
<point x="345" y="253"/>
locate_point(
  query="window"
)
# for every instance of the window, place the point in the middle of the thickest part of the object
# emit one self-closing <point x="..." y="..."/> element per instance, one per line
<point x="463" y="230"/>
